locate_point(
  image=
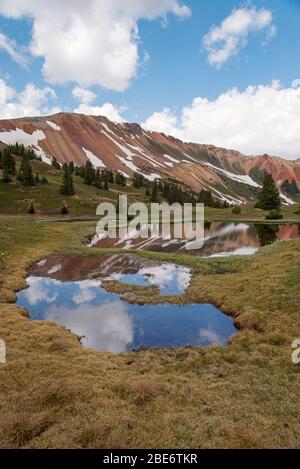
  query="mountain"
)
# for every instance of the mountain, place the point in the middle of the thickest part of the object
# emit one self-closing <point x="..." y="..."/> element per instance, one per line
<point x="128" y="148"/>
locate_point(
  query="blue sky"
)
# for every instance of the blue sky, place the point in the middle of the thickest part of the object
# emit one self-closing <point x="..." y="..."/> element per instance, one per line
<point x="162" y="66"/>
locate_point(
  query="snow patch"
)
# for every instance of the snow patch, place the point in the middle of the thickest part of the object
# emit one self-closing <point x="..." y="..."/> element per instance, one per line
<point x="54" y="126"/>
<point x="171" y="158"/>
<point x="19" y="136"/>
<point x="95" y="160"/>
<point x="243" y="178"/>
<point x="107" y="128"/>
<point x="287" y="200"/>
<point x="135" y="169"/>
<point x="125" y="150"/>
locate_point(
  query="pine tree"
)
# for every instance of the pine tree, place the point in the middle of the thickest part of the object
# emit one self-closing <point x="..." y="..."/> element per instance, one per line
<point x="55" y="163"/>
<point x="67" y="187"/>
<point x="27" y="176"/>
<point x="268" y="197"/>
<point x="88" y="173"/>
<point x="8" y="161"/>
<point x="154" y="193"/>
<point x="71" y="167"/>
<point x="97" y="180"/>
<point x="5" y="176"/>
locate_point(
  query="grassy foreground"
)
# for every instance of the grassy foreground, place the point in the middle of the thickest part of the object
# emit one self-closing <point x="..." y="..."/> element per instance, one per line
<point x="54" y="393"/>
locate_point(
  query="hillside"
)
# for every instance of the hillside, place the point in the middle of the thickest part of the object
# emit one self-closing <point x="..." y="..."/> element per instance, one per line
<point x="128" y="148"/>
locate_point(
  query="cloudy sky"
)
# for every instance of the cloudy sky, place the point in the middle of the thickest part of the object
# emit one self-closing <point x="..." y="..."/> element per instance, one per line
<point x="209" y="71"/>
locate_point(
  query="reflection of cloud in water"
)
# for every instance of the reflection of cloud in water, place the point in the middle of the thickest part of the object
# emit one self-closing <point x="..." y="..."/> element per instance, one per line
<point x="108" y="327"/>
<point x="88" y="290"/>
<point x="163" y="275"/>
<point x="39" y="290"/>
<point x="210" y="336"/>
<point x="169" y="278"/>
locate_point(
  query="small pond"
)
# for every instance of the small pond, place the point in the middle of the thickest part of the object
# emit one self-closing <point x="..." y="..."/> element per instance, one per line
<point x="68" y="291"/>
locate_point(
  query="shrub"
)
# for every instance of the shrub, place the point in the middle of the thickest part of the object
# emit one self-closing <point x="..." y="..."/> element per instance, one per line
<point x="64" y="210"/>
<point x="236" y="210"/>
<point x="274" y="215"/>
<point x="31" y="209"/>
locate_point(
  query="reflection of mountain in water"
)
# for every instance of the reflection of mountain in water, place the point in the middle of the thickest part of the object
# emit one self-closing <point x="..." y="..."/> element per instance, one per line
<point x="219" y="239"/>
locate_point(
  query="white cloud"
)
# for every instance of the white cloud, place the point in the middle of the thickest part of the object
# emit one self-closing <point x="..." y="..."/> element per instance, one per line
<point x="31" y="101"/>
<point x="260" y="119"/>
<point x="83" y="95"/>
<point x="10" y="47"/>
<point x="89" y="41"/>
<point x="108" y="110"/>
<point x="296" y="83"/>
<point x="224" y="41"/>
<point x="86" y="98"/>
<point x="164" y="121"/>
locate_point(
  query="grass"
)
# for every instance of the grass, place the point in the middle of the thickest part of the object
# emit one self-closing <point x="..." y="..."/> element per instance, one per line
<point x="55" y="393"/>
<point x="47" y="200"/>
<point x="15" y="199"/>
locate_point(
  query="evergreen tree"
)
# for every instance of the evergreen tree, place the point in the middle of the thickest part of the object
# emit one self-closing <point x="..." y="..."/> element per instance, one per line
<point x="268" y="197"/>
<point x="138" y="180"/>
<point x="71" y="167"/>
<point x="67" y="187"/>
<point x="205" y="197"/>
<point x="88" y="173"/>
<point x="290" y="188"/>
<point x="55" y="163"/>
<point x="27" y="176"/>
<point x="154" y="193"/>
<point x="8" y="161"/>
<point x="5" y="176"/>
<point x="97" y="180"/>
<point x="120" y="179"/>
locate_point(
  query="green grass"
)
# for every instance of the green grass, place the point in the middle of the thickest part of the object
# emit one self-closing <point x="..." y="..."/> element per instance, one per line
<point x="47" y="200"/>
<point x="55" y="393"/>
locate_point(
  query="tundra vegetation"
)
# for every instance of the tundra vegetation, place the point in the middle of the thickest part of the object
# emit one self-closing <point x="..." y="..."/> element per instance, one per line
<point x="55" y="393"/>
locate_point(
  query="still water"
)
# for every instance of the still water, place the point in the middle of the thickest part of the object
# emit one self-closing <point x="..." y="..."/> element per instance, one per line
<point x="220" y="239"/>
<point x="58" y="292"/>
